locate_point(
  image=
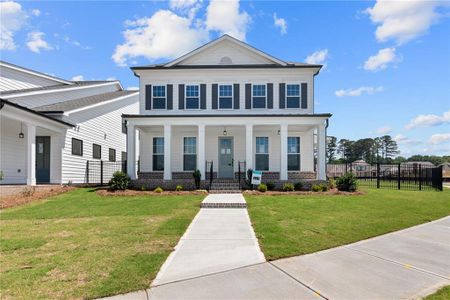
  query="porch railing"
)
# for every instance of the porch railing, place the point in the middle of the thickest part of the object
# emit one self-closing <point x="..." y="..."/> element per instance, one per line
<point x="209" y="172"/>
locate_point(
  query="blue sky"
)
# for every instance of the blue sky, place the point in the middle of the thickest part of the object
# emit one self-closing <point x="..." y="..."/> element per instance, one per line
<point x="387" y="64"/>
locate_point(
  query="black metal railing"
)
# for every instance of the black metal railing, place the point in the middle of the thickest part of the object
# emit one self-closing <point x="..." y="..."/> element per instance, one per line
<point x="401" y="176"/>
<point x="209" y="172"/>
<point x="100" y="172"/>
<point x="242" y="166"/>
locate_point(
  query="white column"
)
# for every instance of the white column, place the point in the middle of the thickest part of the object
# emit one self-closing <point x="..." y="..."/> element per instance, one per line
<point x="321" y="154"/>
<point x="131" y="151"/>
<point x="283" y="152"/>
<point x="31" y="154"/>
<point x="167" y="152"/>
<point x="249" y="146"/>
<point x="201" y="150"/>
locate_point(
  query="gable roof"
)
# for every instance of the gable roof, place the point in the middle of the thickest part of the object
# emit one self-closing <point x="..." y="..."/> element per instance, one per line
<point x="69" y="105"/>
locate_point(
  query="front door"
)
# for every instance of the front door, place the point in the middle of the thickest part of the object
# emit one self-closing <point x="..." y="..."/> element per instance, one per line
<point x="226" y="160"/>
<point x="42" y="159"/>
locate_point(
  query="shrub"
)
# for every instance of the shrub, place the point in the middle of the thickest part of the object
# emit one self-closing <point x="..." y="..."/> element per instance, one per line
<point x="321" y="187"/>
<point x="324" y="187"/>
<point x="270" y="186"/>
<point x="331" y="183"/>
<point x="347" y="183"/>
<point x="119" y="181"/>
<point x="158" y="190"/>
<point x="288" y="187"/>
<point x="179" y="188"/>
<point x="298" y="186"/>
<point x="262" y="188"/>
<point x="143" y="188"/>
<point x="197" y="177"/>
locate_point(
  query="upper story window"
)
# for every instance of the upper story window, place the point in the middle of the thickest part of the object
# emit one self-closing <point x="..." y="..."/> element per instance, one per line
<point x="259" y="96"/>
<point x="292" y="95"/>
<point x="159" y="97"/>
<point x="192" y="97"/>
<point x="293" y="153"/>
<point x="262" y="154"/>
<point x="225" y="96"/>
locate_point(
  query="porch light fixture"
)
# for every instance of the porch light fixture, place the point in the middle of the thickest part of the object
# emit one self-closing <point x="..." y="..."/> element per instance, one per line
<point x="21" y="135"/>
<point x="279" y="132"/>
<point x="225" y="131"/>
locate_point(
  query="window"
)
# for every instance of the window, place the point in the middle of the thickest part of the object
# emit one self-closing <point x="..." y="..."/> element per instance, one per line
<point x="124" y="126"/>
<point x="123" y="156"/>
<point x="293" y="153"/>
<point x="262" y="154"/>
<point x="190" y="153"/>
<point x="192" y="97"/>
<point x="292" y="96"/>
<point x="259" y="96"/>
<point x="77" y="147"/>
<point x="96" y="151"/>
<point x="112" y="154"/>
<point x="159" y="97"/>
<point x="158" y="154"/>
<point x="226" y="96"/>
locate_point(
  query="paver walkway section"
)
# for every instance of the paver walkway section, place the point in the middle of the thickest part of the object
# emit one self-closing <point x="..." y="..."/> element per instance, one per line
<point x="217" y="240"/>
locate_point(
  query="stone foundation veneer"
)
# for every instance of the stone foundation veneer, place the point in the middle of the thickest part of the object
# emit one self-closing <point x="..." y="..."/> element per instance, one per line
<point x="267" y="176"/>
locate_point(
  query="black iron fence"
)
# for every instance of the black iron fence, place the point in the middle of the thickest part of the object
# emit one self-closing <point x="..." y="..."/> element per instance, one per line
<point x="209" y="172"/>
<point x="100" y="172"/>
<point x="391" y="176"/>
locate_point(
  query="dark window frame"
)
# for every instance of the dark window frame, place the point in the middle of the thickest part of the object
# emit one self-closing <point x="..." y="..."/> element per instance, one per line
<point x="93" y="151"/>
<point x="112" y="150"/>
<point x="81" y="147"/>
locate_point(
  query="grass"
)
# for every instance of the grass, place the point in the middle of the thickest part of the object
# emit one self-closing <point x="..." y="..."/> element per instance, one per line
<point x="82" y="245"/>
<point x="289" y="225"/>
<point x="442" y="294"/>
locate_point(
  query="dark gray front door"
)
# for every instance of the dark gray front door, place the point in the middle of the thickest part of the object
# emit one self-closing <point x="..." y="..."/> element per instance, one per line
<point x="42" y="159"/>
<point x="226" y="160"/>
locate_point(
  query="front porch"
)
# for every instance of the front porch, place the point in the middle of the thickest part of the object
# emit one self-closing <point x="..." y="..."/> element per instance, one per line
<point x="284" y="148"/>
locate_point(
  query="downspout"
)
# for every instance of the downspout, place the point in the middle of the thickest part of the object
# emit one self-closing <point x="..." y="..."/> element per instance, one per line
<point x="326" y="144"/>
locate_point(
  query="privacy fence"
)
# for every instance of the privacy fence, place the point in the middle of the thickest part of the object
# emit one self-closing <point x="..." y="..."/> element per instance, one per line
<point x="391" y="176"/>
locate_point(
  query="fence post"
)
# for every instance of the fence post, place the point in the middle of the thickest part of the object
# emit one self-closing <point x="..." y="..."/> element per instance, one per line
<point x="378" y="175"/>
<point x="420" y="177"/>
<point x="101" y="172"/>
<point x="398" y="176"/>
<point x="87" y="172"/>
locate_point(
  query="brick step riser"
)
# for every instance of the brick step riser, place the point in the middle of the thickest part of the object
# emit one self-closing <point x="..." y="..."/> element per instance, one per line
<point x="225" y="191"/>
<point x="223" y="205"/>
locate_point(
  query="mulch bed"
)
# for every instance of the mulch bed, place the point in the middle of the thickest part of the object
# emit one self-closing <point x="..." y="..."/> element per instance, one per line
<point x="29" y="194"/>
<point x="279" y="193"/>
<point x="106" y="192"/>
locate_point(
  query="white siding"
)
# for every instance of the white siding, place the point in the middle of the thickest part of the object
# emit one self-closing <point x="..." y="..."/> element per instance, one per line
<point x="12" y="152"/>
<point x="11" y="79"/>
<point x="92" y="125"/>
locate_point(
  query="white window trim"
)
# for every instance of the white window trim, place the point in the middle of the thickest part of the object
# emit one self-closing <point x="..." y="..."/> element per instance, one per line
<point x="153" y="153"/>
<point x="268" y="150"/>
<point x="298" y="153"/>
<point x="232" y="96"/>
<point x="299" y="96"/>
<point x="185" y="96"/>
<point x="265" y="101"/>
<point x="183" y="153"/>
<point x="165" y="98"/>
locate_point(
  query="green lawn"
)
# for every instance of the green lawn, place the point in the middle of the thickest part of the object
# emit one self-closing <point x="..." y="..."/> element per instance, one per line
<point x="289" y="225"/>
<point x="81" y="245"/>
<point x="442" y="294"/>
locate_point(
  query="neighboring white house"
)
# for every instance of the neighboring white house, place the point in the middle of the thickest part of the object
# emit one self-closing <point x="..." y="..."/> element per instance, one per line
<point x="50" y="127"/>
<point x="227" y="102"/>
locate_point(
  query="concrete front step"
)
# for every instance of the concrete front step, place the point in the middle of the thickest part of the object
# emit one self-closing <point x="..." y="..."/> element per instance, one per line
<point x="218" y="191"/>
<point x="223" y="205"/>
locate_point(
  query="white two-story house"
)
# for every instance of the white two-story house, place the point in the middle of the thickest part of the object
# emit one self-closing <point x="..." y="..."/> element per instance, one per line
<point x="232" y="106"/>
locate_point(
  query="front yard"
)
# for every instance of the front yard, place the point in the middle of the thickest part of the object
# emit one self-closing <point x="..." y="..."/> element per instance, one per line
<point x="288" y="225"/>
<point x="82" y="245"/>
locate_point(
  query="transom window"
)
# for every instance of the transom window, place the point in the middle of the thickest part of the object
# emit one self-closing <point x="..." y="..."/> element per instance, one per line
<point x="159" y="97"/>
<point x="225" y="96"/>
<point x="192" y="97"/>
<point x="293" y="153"/>
<point x="259" y="95"/>
<point x="262" y="154"/>
<point x="189" y="153"/>
<point x="293" y="95"/>
<point x="158" y="154"/>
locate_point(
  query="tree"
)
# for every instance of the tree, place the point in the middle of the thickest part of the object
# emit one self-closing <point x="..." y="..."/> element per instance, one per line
<point x="344" y="149"/>
<point x="390" y="148"/>
<point x="331" y="148"/>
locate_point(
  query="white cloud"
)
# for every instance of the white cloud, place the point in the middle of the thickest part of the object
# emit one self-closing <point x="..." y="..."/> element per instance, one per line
<point x="78" y="78"/>
<point x="383" y="130"/>
<point x="36" y="12"/>
<point x="318" y="57"/>
<point x="356" y="92"/>
<point x="439" y="138"/>
<point x="75" y="43"/>
<point x="280" y="22"/>
<point x="12" y="19"/>
<point x="188" y="7"/>
<point x="163" y="35"/>
<point x="133" y="88"/>
<point x="36" y="42"/>
<point x="403" y="21"/>
<point x="225" y="17"/>
<point x="429" y="120"/>
<point x="403" y="140"/>
<point x="382" y="59"/>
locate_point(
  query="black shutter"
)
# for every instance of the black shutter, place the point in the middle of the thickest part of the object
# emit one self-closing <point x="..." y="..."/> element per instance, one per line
<point x="214" y="96"/>
<point x="169" y="96"/>
<point x="282" y="91"/>
<point x="236" y="95"/>
<point x="304" y="95"/>
<point x="181" y="96"/>
<point x="270" y="95"/>
<point x="248" y="96"/>
<point x="148" y="97"/>
<point x="202" y="96"/>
